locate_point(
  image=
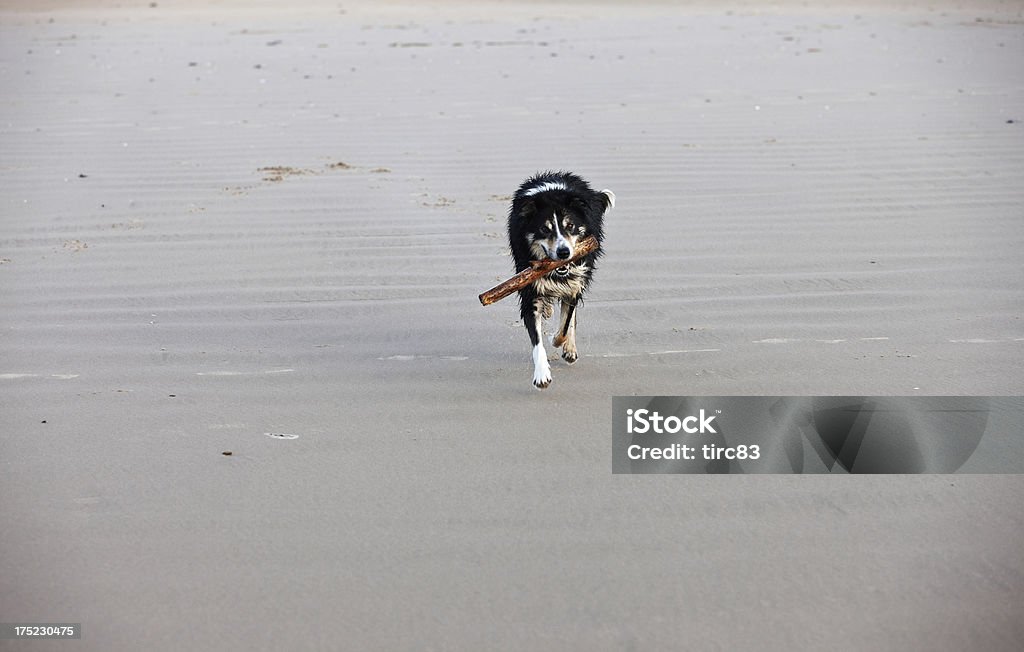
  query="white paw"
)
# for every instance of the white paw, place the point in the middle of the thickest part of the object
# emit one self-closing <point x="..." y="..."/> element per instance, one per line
<point x="541" y="368"/>
<point x="542" y="376"/>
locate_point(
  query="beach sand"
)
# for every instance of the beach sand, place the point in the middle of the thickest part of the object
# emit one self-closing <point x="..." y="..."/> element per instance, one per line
<point x="261" y="231"/>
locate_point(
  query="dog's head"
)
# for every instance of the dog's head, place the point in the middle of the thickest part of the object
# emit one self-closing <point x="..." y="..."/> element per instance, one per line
<point x="554" y="222"/>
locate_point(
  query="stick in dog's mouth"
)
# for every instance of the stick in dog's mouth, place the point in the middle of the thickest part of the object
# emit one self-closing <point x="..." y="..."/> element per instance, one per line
<point x="539" y="268"/>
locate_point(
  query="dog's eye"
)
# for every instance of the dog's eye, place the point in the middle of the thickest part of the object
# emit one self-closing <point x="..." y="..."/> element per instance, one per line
<point x="570" y="227"/>
<point x="545" y="229"/>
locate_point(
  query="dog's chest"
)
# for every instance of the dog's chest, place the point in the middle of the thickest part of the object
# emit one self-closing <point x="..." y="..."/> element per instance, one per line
<point x="568" y="286"/>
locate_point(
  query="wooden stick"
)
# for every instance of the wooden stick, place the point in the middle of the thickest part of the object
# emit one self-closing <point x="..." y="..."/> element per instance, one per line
<point x="539" y="268"/>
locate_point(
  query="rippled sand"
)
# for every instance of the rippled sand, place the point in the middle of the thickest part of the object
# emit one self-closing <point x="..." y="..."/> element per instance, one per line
<point x="263" y="232"/>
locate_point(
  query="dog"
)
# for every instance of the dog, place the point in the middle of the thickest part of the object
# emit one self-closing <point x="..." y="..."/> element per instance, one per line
<point x="550" y="213"/>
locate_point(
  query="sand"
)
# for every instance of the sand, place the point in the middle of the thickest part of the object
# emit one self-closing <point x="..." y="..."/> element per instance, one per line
<point x="261" y="231"/>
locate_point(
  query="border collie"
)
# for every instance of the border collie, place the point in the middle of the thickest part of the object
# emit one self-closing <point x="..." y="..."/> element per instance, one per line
<point x="550" y="212"/>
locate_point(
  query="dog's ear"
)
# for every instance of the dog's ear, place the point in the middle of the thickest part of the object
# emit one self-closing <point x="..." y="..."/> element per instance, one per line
<point x="527" y="208"/>
<point x="608" y="198"/>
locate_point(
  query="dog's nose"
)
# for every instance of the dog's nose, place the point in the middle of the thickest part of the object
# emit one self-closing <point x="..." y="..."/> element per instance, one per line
<point x="563" y="252"/>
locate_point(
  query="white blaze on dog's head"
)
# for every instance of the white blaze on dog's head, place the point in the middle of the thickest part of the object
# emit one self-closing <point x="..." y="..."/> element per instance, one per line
<point x="544" y="187"/>
<point x="565" y="240"/>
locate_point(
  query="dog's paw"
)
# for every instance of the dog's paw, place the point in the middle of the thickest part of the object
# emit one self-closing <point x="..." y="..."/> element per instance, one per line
<point x="542" y="376"/>
<point x="570" y="356"/>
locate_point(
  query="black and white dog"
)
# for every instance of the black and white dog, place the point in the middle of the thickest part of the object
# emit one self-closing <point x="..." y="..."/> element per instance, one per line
<point x="550" y="212"/>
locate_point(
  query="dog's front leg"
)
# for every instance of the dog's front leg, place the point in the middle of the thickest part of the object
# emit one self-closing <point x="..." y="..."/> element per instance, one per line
<point x="533" y="318"/>
<point x="566" y="336"/>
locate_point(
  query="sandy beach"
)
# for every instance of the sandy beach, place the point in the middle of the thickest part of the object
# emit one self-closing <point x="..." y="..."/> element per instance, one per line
<point x="234" y="228"/>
